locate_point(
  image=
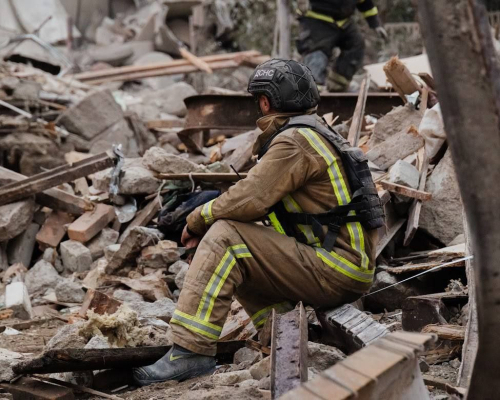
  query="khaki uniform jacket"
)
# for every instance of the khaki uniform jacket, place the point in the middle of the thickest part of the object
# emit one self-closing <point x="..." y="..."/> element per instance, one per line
<point x="305" y="172"/>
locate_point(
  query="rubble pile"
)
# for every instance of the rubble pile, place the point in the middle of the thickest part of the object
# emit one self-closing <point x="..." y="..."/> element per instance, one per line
<point x="96" y="185"/>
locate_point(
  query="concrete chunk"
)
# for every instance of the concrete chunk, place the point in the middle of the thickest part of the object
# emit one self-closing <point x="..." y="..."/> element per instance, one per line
<point x="69" y="292"/>
<point x="15" y="218"/>
<point x="321" y="356"/>
<point x="18" y="300"/>
<point x="20" y="249"/>
<point x="127" y="296"/>
<point x="7" y="360"/>
<point x="91" y="116"/>
<point x="75" y="256"/>
<point x="105" y="238"/>
<point x="403" y="173"/>
<point x="442" y="216"/>
<point x="162" y="309"/>
<point x="158" y="160"/>
<point x="41" y="277"/>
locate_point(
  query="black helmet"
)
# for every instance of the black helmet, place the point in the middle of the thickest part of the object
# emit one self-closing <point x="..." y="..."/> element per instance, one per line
<point x="289" y="85"/>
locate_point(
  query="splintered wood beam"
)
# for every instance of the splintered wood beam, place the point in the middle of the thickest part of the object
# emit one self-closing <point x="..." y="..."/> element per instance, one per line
<point x="288" y="351"/>
<point x="38" y="183"/>
<point x="416" y="206"/>
<point x="359" y="113"/>
<point x="406" y="191"/>
<point x="401" y="78"/>
<point x="53" y="198"/>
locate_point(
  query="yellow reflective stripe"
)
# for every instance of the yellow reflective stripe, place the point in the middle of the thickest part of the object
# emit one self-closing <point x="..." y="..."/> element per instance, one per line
<point x="341" y="193"/>
<point x="293" y="207"/>
<point x="370" y="13"/>
<point x="218" y="279"/>
<point x="322" y="17"/>
<point x="275" y="223"/>
<point x="344" y="266"/>
<point x="206" y="213"/>
<point x="196" y="325"/>
<point x="342" y="22"/>
<point x="260" y="317"/>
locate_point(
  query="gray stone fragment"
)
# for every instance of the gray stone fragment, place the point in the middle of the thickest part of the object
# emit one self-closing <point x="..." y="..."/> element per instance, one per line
<point x="105" y="238"/>
<point x="92" y="115"/>
<point x="262" y="369"/>
<point x="134" y="241"/>
<point x="136" y="179"/>
<point x="67" y="337"/>
<point x="398" y="120"/>
<point x="458" y="240"/>
<point x="110" y="250"/>
<point x="20" y="249"/>
<point x="246" y="354"/>
<point x="75" y="256"/>
<point x="127" y="296"/>
<point x="15" y="218"/>
<point x="40" y="277"/>
<point x="321" y="356"/>
<point x="69" y="292"/>
<point x="8" y="359"/>
<point x="157" y="159"/>
<point x="265" y="383"/>
<point x="171" y="99"/>
<point x="181" y="276"/>
<point x="403" y="173"/>
<point x="118" y="133"/>
<point x="98" y="342"/>
<point x="395" y="148"/>
<point x="442" y="216"/>
<point x="162" y="309"/>
<point x="158" y="82"/>
<point x="177" y="266"/>
<point x="18" y="300"/>
<point x="231" y="378"/>
<point x="50" y="255"/>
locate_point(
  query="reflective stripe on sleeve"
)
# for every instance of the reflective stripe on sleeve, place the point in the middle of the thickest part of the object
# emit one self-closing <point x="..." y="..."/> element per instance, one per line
<point x="206" y="213"/>
<point x="218" y="278"/>
<point x="196" y="325"/>
<point x="371" y="12"/>
<point x="260" y="317"/>
<point x="341" y="193"/>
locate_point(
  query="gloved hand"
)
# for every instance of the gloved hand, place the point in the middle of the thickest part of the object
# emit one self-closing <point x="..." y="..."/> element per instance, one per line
<point x="382" y="33"/>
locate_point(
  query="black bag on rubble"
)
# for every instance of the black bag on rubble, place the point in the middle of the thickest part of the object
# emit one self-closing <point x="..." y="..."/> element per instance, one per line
<point x="173" y="216"/>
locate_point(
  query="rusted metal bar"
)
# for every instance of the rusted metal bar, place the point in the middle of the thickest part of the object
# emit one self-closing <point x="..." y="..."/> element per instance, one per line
<point x="239" y="112"/>
<point x="288" y="351"/>
<point x="387" y="369"/>
<point x="465" y="66"/>
<point x="38" y="183"/>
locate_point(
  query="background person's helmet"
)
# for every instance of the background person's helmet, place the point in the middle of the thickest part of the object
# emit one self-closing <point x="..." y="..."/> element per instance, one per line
<point x="289" y="85"/>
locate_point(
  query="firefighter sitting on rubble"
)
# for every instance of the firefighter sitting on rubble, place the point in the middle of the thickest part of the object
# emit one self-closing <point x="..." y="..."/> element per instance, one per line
<point x="327" y="24"/>
<point x="317" y="193"/>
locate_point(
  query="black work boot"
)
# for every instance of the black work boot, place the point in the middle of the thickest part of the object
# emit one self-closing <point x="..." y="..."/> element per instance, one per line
<point x="178" y="364"/>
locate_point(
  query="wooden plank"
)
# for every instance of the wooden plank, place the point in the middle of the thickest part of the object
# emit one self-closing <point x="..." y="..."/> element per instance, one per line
<point x="91" y="223"/>
<point x="401" y="78"/>
<point x="53" y="230"/>
<point x="391" y="232"/>
<point x="195" y="60"/>
<point x="38" y="183"/>
<point x="416" y="206"/>
<point x="31" y="389"/>
<point x="288" y="351"/>
<point x="77" y="387"/>
<point x="446" y="332"/>
<point x="55" y="199"/>
<point x="359" y="113"/>
<point x="92" y="75"/>
<point x="406" y="191"/>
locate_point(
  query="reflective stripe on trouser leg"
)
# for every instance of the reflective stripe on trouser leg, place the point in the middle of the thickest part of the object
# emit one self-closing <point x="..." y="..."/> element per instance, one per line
<point x="218" y="278"/>
<point x="260" y="317"/>
<point x="199" y="323"/>
<point x="343" y="197"/>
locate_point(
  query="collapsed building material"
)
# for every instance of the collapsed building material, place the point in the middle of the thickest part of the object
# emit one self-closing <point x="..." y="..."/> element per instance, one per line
<point x="359" y="113"/>
<point x="75" y="256"/>
<point x="205" y="177"/>
<point x="91" y="223"/>
<point x="15" y="218"/>
<point x="53" y="230"/>
<point x="401" y="78"/>
<point x="18" y="300"/>
<point x="40" y="277"/>
<point x="46" y="180"/>
<point x="288" y="351"/>
<point x="28" y="388"/>
<point x="143" y="217"/>
<point x="21" y="247"/>
<point x="406" y="191"/>
<point x="387" y="369"/>
<point x="349" y="328"/>
<point x="106" y="237"/>
<point x="99" y="303"/>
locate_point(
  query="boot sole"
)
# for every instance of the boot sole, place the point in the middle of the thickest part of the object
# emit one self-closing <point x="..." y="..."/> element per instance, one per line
<point x="194" y="373"/>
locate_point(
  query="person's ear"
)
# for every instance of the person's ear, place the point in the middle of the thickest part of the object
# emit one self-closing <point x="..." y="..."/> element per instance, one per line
<point x="265" y="105"/>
